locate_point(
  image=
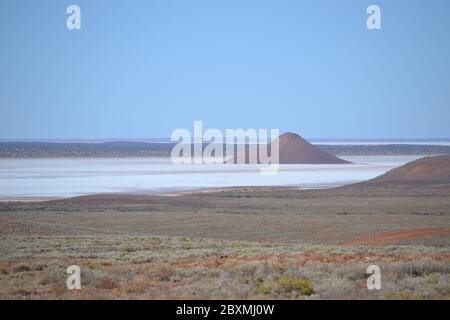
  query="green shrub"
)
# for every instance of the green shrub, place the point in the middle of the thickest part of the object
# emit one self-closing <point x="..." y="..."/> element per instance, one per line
<point x="287" y="284"/>
<point x="264" y="289"/>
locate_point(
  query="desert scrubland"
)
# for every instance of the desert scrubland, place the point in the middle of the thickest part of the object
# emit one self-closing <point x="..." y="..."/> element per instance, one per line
<point x="231" y="243"/>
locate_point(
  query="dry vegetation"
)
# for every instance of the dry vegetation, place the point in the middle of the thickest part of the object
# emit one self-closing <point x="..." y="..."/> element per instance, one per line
<point x="144" y="267"/>
<point x="232" y="244"/>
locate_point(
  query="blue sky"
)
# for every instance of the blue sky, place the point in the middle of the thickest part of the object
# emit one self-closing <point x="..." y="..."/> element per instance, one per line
<point x="140" y="69"/>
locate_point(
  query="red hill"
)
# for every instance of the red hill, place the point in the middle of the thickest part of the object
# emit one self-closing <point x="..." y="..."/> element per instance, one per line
<point x="296" y="150"/>
<point x="421" y="172"/>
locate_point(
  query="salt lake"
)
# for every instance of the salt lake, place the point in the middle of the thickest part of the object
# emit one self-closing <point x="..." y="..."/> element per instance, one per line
<point x="54" y="178"/>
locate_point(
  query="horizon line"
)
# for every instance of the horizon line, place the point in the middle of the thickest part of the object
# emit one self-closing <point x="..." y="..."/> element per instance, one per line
<point x="163" y="140"/>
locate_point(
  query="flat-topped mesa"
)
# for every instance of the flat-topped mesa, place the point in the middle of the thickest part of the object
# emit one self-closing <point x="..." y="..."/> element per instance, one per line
<point x="293" y="149"/>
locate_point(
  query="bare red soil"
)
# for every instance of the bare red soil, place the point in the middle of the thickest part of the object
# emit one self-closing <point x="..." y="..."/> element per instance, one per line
<point x="396" y="236"/>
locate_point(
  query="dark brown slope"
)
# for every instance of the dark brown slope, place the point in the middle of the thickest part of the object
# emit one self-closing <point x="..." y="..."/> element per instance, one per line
<point x="296" y="150"/>
<point x="428" y="171"/>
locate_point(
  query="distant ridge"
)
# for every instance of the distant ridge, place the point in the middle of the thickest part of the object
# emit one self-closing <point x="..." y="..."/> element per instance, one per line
<point x="293" y="149"/>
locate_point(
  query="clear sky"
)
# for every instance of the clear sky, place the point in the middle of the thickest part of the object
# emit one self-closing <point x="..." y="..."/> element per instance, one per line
<point x="140" y="69"/>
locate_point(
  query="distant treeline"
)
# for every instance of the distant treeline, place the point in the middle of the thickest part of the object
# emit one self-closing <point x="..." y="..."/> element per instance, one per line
<point x="143" y="149"/>
<point x="73" y="150"/>
<point x="388" y="149"/>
